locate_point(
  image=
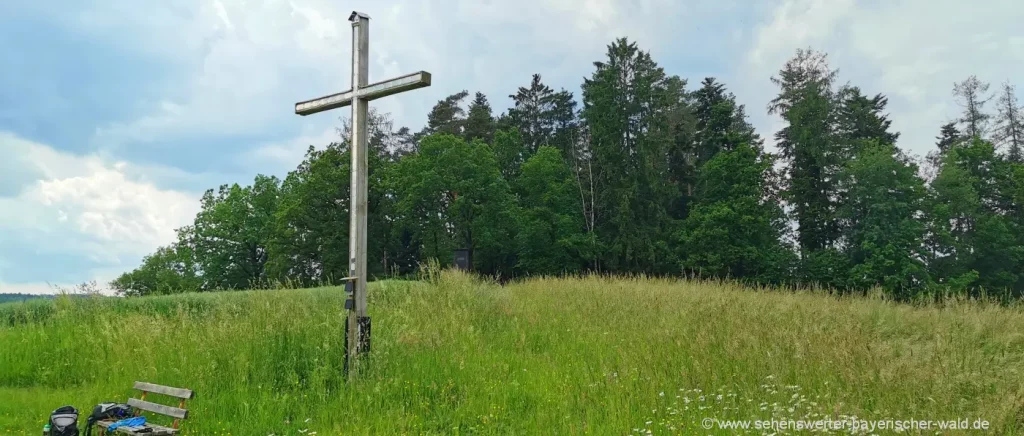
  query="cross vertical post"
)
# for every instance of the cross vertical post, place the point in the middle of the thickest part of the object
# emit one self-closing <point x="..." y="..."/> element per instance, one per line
<point x="360" y="341"/>
<point x="358" y="323"/>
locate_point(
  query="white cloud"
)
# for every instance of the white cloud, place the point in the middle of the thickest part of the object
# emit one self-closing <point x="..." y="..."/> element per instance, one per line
<point x="794" y="24"/>
<point x="30" y="288"/>
<point x="241" y="79"/>
<point x="250" y="61"/>
<point x="257" y="58"/>
<point x="244" y="62"/>
<point x="912" y="51"/>
<point x="223" y="14"/>
<point x="91" y="206"/>
<point x="97" y="282"/>
<point x="280" y="157"/>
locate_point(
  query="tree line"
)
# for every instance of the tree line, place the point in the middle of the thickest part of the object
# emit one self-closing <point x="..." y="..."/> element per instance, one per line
<point x="644" y="173"/>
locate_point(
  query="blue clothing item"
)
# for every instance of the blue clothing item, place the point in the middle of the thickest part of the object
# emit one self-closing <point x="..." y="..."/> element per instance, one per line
<point x="130" y="422"/>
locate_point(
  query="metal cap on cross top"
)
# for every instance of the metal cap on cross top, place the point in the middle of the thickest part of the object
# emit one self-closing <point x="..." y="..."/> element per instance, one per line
<point x="358" y="97"/>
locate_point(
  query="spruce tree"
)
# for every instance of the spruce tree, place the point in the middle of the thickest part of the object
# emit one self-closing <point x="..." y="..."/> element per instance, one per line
<point x="720" y="121"/>
<point x="810" y="149"/>
<point x="971" y="95"/>
<point x="530" y="114"/>
<point x="863" y="119"/>
<point x="626" y="105"/>
<point x="948" y="137"/>
<point x="479" y="122"/>
<point x="543" y="116"/>
<point x="1009" y="129"/>
<point x="447" y="116"/>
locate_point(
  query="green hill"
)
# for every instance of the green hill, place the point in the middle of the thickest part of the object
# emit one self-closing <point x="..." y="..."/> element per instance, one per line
<point x="567" y="356"/>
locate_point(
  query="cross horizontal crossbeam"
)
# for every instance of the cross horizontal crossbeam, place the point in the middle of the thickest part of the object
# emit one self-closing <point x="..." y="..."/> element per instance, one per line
<point x="372" y="91"/>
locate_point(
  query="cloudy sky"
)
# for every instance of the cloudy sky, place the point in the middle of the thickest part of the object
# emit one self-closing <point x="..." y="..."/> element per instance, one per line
<point x="115" y="115"/>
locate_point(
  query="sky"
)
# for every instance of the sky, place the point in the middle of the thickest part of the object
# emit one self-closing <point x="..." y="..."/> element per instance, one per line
<point x="115" y="115"/>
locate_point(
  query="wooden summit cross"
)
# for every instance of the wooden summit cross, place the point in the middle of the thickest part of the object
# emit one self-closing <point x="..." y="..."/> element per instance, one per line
<point x="359" y="97"/>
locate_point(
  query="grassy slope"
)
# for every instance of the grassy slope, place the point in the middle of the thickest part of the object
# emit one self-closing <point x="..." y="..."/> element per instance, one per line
<point x="589" y="355"/>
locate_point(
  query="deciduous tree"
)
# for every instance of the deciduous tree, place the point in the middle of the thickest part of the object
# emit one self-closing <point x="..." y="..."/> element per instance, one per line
<point x="735" y="229"/>
<point x="882" y="230"/>
<point x="551" y="237"/>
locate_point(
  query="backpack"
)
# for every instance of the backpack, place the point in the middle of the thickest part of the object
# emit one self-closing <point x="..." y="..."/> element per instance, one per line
<point x="64" y="422"/>
<point x="107" y="411"/>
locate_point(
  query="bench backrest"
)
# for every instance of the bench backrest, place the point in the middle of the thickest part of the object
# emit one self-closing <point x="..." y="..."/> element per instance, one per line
<point x="178" y="413"/>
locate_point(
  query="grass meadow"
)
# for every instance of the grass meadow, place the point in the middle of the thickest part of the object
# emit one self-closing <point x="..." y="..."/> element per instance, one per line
<point x="456" y="355"/>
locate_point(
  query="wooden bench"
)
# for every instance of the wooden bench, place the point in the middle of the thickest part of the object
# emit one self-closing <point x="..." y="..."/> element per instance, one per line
<point x="140" y="404"/>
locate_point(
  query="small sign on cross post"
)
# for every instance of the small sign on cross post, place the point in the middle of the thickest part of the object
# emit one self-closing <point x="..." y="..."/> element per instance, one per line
<point x="358" y="97"/>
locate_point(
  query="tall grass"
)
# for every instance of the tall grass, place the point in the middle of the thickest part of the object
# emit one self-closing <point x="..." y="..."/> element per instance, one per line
<point x="453" y="355"/>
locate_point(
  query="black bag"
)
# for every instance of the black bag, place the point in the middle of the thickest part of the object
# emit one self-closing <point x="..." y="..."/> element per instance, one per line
<point x="64" y="422"/>
<point x="107" y="411"/>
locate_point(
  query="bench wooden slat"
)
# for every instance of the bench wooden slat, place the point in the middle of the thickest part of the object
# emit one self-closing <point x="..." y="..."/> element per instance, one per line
<point x="173" y="412"/>
<point x="157" y="430"/>
<point x="165" y="390"/>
